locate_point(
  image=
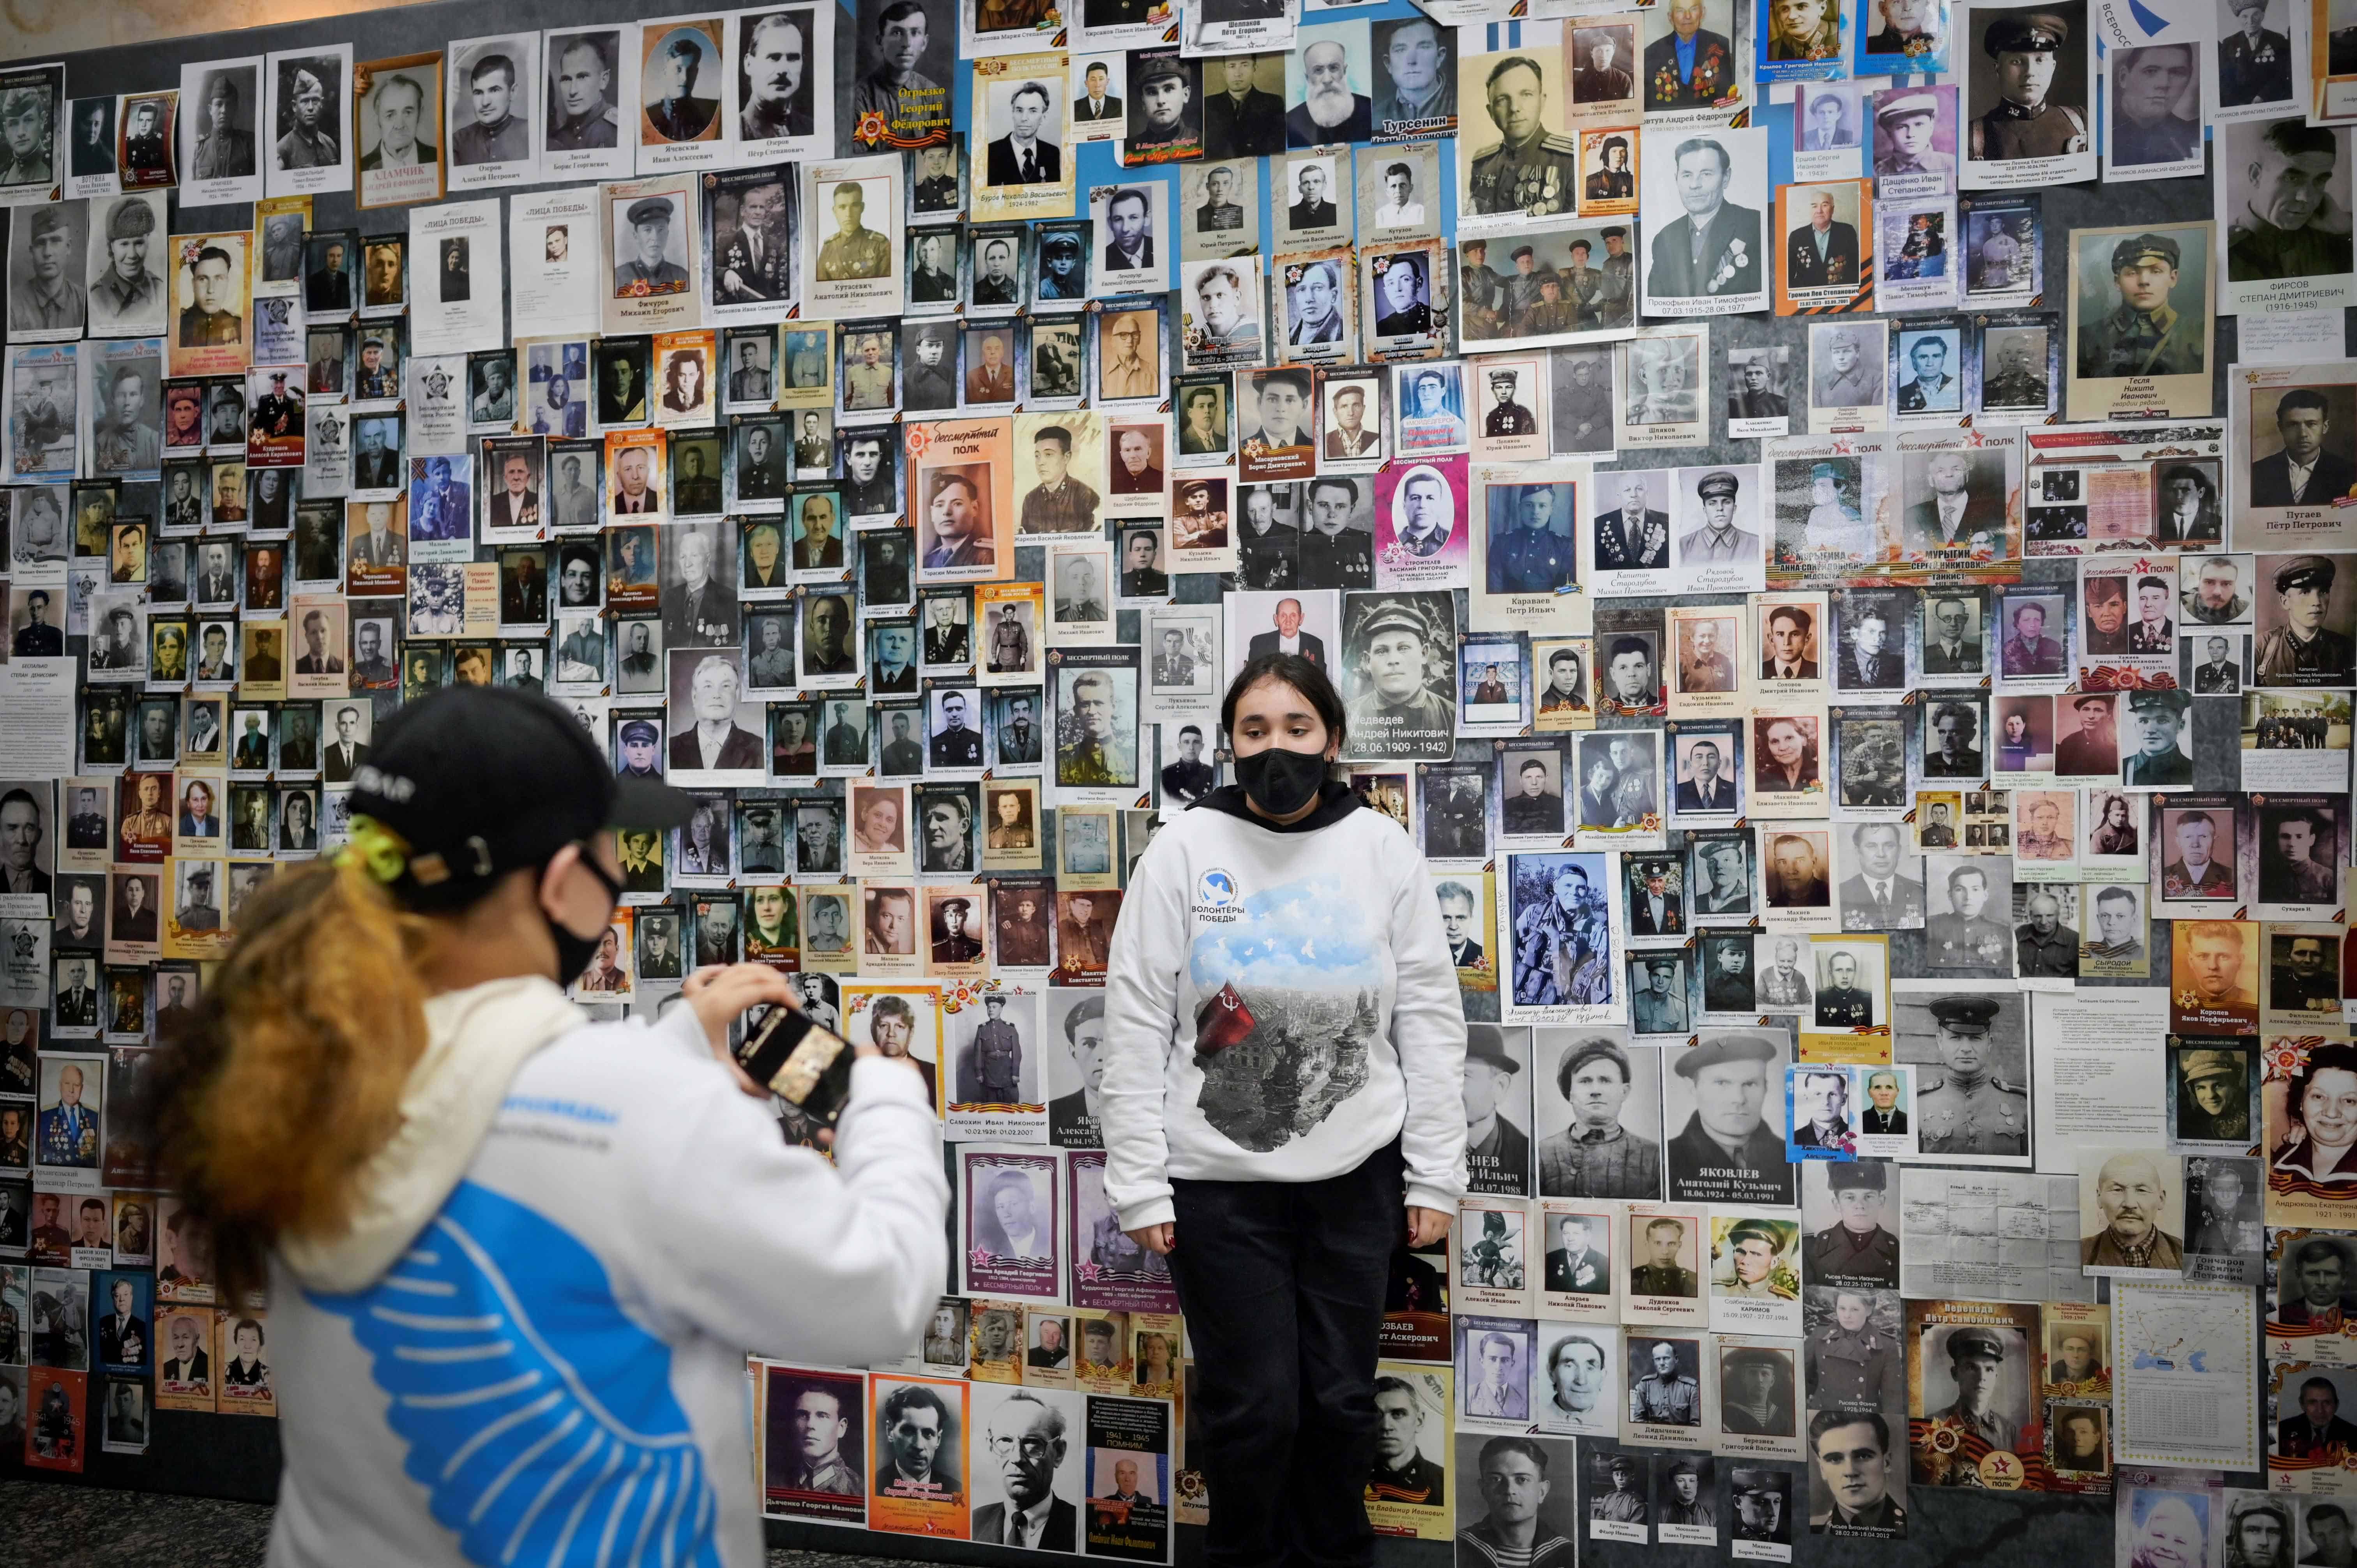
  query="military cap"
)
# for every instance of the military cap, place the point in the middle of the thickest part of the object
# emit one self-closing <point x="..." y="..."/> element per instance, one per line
<point x="1824" y="471"/>
<point x="649" y="210"/>
<point x="1579" y="1053"/>
<point x="1851" y="1176"/>
<point x="1158" y="68"/>
<point x="203" y="874"/>
<point x="1522" y="251"/>
<point x="2129" y="252"/>
<point x="642" y="730"/>
<point x="1966" y="1342"/>
<point x="2175" y="701"/>
<point x="1616" y="232"/>
<point x="1717" y="482"/>
<point x="995" y="999"/>
<point x="2094" y="700"/>
<point x="1753" y="1484"/>
<point x="1906" y="107"/>
<point x="2239" y="6"/>
<point x="2194" y="1065"/>
<point x="962" y="906"/>
<point x="2304" y="572"/>
<point x="130" y="220"/>
<point x="1396" y="615"/>
<point x="1061" y="241"/>
<point x="1088" y="1011"/>
<point x="277" y="375"/>
<point x="1486" y="1043"/>
<point x="1752" y="1231"/>
<point x="48" y="220"/>
<point x="1621" y="1462"/>
<point x="1749" y="1356"/>
<point x="2041" y="30"/>
<point x="760" y="815"/>
<point x="1964" y="1012"/>
<point x="1505" y="375"/>
<point x="1724" y="1049"/>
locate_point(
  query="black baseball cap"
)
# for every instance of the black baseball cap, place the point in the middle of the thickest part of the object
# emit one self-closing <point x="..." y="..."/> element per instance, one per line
<point x="482" y="780"/>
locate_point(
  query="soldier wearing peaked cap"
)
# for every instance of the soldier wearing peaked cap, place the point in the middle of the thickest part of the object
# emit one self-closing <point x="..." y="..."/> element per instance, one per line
<point x="1507" y="417"/>
<point x="1975" y="1357"/>
<point x="2303" y="651"/>
<point x="1497" y="1153"/>
<point x="2158" y="760"/>
<point x="1908" y="121"/>
<point x="1970" y="1110"/>
<point x="650" y="221"/>
<point x="1395" y="648"/>
<point x="2023" y="123"/>
<point x="2145" y="334"/>
<point x="635" y="735"/>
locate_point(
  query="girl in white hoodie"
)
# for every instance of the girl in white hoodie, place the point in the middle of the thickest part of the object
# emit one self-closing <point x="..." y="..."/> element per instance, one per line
<point x="516" y="1259"/>
<point x="1282" y="1104"/>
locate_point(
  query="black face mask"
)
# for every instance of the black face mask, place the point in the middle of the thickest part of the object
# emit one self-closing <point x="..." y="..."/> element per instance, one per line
<point x="1281" y="782"/>
<point x="575" y="954"/>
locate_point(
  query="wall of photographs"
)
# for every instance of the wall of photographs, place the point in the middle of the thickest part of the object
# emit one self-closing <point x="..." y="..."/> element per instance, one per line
<point x="1850" y="644"/>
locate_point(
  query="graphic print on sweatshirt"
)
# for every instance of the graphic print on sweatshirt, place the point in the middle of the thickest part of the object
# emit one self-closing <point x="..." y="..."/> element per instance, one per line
<point x="1287" y="989"/>
<point x="525" y="1462"/>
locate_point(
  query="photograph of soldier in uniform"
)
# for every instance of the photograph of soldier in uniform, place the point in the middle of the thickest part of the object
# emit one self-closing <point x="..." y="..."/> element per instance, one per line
<point x="2304" y="619"/>
<point x="1521" y="160"/>
<point x="2025" y="80"/>
<point x="2140" y="307"/>
<point x="1978" y="1381"/>
<point x="1971" y="1056"/>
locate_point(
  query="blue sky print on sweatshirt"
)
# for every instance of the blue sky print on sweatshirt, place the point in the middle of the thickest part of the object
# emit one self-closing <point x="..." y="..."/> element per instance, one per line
<point x="479" y="1336"/>
<point x="1288" y="1006"/>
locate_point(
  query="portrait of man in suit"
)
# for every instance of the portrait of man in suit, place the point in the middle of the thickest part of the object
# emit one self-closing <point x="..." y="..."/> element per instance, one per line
<point x="2304" y="472"/>
<point x="1094" y="103"/>
<point x="713" y="739"/>
<point x="1288" y="636"/>
<point x="1023" y="157"/>
<point x="1714" y="246"/>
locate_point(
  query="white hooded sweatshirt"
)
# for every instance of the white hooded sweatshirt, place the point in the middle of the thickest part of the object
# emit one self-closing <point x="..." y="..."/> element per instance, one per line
<point x="529" y="1348"/>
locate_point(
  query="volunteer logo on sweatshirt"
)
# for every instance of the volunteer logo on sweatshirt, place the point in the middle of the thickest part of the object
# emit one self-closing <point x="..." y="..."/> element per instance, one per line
<point x="1215" y="895"/>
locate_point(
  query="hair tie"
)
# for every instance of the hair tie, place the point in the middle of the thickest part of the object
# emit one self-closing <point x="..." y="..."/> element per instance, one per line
<point x="374" y="850"/>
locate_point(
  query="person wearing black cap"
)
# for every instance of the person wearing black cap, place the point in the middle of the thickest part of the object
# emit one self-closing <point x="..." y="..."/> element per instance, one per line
<point x="2145" y="334"/>
<point x="1497" y="1153"/>
<point x="2023" y="123"/>
<point x="1726" y="1152"/>
<point x="1975" y="1356"/>
<point x="1969" y="1110"/>
<point x="1856" y="1249"/>
<point x="377" y="1104"/>
<point x="647" y="269"/>
<point x="2303" y="651"/>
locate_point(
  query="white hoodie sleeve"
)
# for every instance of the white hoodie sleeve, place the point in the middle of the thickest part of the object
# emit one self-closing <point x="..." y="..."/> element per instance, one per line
<point x="1428" y="1032"/>
<point x="1141" y="999"/>
<point x="771" y="1248"/>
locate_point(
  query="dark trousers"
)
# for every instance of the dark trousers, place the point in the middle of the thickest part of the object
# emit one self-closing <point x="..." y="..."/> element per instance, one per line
<point x="1282" y="1284"/>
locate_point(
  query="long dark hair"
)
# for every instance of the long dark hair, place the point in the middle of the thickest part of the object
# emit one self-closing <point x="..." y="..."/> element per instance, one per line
<point x="1304" y="675"/>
